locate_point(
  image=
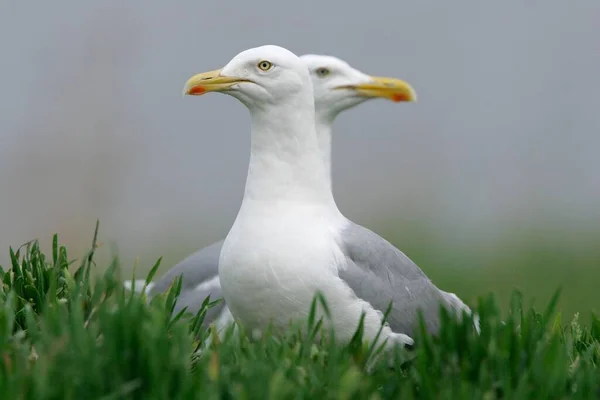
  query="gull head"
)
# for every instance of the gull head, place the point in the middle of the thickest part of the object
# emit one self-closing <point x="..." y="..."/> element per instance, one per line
<point x="337" y="86"/>
<point x="258" y="77"/>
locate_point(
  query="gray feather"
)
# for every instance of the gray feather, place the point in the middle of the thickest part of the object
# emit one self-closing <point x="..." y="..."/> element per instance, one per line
<point x="378" y="273"/>
<point x="198" y="268"/>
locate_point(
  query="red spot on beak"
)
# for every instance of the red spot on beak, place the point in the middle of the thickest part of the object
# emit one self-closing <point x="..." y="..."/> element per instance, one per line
<point x="197" y="90"/>
<point x="399" y="97"/>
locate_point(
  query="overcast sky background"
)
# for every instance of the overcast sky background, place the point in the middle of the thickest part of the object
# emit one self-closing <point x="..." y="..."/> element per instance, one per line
<point x="93" y="124"/>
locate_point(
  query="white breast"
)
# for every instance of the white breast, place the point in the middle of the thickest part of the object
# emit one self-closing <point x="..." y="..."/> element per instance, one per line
<point x="275" y="258"/>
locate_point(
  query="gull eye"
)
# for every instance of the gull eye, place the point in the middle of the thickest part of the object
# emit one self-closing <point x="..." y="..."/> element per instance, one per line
<point x="265" y="65"/>
<point x="322" y="72"/>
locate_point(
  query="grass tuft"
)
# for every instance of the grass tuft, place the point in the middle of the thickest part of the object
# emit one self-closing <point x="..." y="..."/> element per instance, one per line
<point x="81" y="335"/>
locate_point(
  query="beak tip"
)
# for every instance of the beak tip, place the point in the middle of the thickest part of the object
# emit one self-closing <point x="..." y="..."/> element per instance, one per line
<point x="194" y="90"/>
<point x="392" y="89"/>
<point x="413" y="93"/>
<point x="410" y="95"/>
<point x="414" y="96"/>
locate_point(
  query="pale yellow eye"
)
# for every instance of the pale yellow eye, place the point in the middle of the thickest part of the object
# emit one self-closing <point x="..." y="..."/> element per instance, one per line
<point x="322" y="72"/>
<point x="265" y="65"/>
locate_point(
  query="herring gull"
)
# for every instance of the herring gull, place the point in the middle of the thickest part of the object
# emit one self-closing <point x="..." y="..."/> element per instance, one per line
<point x="199" y="271"/>
<point x="289" y="240"/>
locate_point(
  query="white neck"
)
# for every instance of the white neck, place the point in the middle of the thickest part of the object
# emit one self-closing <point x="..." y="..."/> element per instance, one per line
<point x="285" y="159"/>
<point x="323" y="127"/>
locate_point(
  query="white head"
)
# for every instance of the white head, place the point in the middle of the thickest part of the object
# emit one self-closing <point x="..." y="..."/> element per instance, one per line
<point x="274" y="84"/>
<point x="337" y="86"/>
<point x="258" y="77"/>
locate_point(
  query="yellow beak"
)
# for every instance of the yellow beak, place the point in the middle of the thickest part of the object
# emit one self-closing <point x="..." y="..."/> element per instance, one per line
<point x="388" y="88"/>
<point x="211" y="81"/>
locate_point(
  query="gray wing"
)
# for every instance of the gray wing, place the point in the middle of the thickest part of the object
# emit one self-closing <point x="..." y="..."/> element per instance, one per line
<point x="201" y="266"/>
<point x="200" y="279"/>
<point x="379" y="273"/>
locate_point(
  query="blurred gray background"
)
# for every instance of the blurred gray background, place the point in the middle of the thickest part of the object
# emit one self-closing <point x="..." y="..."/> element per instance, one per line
<point x="490" y="182"/>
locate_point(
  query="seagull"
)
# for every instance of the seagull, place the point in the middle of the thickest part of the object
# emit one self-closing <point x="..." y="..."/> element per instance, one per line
<point x="330" y="74"/>
<point x="289" y="240"/>
<point x="200" y="269"/>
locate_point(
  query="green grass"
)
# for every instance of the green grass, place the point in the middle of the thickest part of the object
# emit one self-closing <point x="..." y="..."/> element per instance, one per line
<point x="537" y="260"/>
<point x="64" y="335"/>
